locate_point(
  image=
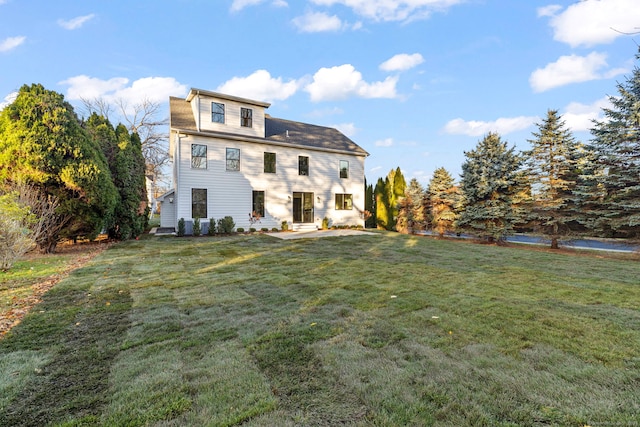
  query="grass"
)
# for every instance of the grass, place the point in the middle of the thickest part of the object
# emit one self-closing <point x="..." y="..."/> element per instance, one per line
<point x="378" y="330"/>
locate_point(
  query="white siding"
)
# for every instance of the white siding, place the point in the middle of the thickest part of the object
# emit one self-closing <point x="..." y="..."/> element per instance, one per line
<point x="231" y="117"/>
<point x="229" y="193"/>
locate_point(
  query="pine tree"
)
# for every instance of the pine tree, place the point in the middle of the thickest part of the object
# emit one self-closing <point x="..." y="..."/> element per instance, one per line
<point x="416" y="198"/>
<point x="610" y="189"/>
<point x="443" y="199"/>
<point x="489" y="184"/>
<point x="551" y="167"/>
<point x="43" y="144"/>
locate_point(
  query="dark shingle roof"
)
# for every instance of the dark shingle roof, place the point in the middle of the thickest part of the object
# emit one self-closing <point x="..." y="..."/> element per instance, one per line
<point x="276" y="130"/>
<point x="287" y="131"/>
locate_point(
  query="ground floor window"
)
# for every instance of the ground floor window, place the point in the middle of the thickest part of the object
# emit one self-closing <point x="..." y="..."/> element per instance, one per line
<point x="344" y="201"/>
<point x="198" y="203"/>
<point x="258" y="203"/>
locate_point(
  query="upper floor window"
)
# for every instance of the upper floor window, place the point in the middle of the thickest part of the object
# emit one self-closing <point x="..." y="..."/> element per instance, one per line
<point x="344" y="201"/>
<point x="198" y="156"/>
<point x="303" y="165"/>
<point x="269" y="162"/>
<point x="217" y="112"/>
<point x="233" y="159"/>
<point x="246" y="117"/>
<point x="344" y="169"/>
<point x="198" y="203"/>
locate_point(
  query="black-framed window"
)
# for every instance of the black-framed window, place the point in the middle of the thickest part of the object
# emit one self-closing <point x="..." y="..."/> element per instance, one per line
<point x="233" y="159"/>
<point x="269" y="162"/>
<point x="198" y="203"/>
<point x="246" y="117"/>
<point x="217" y="112"/>
<point x="303" y="165"/>
<point x="344" y="202"/>
<point x="344" y="169"/>
<point x="198" y="156"/>
<point x="258" y="203"/>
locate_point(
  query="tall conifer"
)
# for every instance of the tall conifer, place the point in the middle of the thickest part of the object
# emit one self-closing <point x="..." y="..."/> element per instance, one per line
<point x="610" y="189"/>
<point x="551" y="167"/>
<point x="490" y="180"/>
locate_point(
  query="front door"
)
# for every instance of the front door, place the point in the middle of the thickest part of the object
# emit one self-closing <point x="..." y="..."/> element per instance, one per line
<point x="303" y="207"/>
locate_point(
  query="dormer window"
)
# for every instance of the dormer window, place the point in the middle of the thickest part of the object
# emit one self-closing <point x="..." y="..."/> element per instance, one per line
<point x="246" y="117"/>
<point x="217" y="112"/>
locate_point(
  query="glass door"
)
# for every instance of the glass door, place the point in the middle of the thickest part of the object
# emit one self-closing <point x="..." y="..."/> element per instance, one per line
<point x="303" y="207"/>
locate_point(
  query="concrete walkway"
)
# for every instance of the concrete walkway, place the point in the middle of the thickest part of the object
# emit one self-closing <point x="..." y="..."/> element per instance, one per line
<point x="290" y="235"/>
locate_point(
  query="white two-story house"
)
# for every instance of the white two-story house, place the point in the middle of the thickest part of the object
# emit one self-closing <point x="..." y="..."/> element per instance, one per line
<point x="230" y="158"/>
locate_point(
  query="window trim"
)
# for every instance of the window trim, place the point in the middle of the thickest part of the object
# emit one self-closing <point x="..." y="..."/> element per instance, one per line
<point x="229" y="150"/>
<point x="344" y="201"/>
<point x="301" y="164"/>
<point x="275" y="159"/>
<point x="246" y="117"/>
<point x="199" y="162"/>
<point x="217" y="113"/>
<point x="344" y="169"/>
<point x="201" y="204"/>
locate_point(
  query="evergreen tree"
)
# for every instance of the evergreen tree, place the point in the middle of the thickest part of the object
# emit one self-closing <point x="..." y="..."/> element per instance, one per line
<point x="369" y="205"/>
<point x="443" y="200"/>
<point x="389" y="193"/>
<point x="551" y="167"/>
<point x="415" y="195"/>
<point x="124" y="155"/>
<point x="382" y="204"/>
<point x="490" y="180"/>
<point x="610" y="190"/>
<point x="42" y="143"/>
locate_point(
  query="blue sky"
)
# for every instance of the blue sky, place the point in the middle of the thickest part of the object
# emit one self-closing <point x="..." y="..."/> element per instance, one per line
<point x="414" y="82"/>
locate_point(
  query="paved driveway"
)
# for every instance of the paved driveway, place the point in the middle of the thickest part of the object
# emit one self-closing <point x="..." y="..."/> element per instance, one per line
<point x="319" y="233"/>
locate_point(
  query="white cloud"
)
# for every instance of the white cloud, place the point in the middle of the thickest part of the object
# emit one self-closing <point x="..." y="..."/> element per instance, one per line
<point x="155" y="89"/>
<point x="579" y="117"/>
<point x="349" y="129"/>
<point x="11" y="43"/>
<point x="401" y="62"/>
<point x="316" y="22"/>
<point x="75" y="23"/>
<point x="572" y="69"/>
<point x="238" y="5"/>
<point x="592" y="22"/>
<point x="260" y="86"/>
<point x="550" y="10"/>
<point x="343" y="81"/>
<point x="502" y="126"/>
<point x="8" y="99"/>
<point x="387" y="142"/>
<point x="392" y="10"/>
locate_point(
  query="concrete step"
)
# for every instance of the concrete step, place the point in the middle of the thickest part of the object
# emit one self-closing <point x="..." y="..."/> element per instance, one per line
<point x="304" y="227"/>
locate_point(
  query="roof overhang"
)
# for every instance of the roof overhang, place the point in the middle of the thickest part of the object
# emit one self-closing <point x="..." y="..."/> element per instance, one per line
<point x="264" y="141"/>
<point x="194" y="92"/>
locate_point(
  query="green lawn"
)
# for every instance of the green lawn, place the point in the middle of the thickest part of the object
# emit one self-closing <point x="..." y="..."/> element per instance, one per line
<point x="382" y="330"/>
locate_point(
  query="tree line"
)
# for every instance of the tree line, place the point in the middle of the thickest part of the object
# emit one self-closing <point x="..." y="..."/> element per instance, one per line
<point x="557" y="188"/>
<point x="63" y="177"/>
